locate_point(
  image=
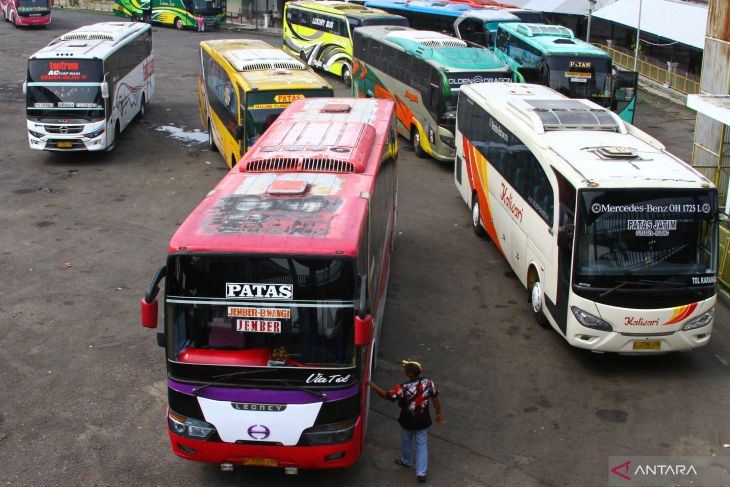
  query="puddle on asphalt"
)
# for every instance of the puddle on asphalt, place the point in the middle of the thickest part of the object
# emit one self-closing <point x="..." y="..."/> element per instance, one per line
<point x="179" y="134"/>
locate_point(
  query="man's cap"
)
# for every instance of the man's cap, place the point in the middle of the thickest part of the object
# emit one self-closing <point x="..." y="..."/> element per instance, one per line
<point x="406" y="363"/>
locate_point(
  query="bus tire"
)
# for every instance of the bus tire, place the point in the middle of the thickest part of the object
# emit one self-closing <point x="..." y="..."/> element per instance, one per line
<point x="536" y="302"/>
<point x="211" y="145"/>
<point x="179" y="23"/>
<point x="303" y="56"/>
<point x="476" y="217"/>
<point x="347" y="75"/>
<point x="15" y="20"/>
<point x="233" y="161"/>
<point x="416" y="141"/>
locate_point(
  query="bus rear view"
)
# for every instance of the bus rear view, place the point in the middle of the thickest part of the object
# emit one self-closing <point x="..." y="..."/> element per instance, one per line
<point x="275" y="290"/>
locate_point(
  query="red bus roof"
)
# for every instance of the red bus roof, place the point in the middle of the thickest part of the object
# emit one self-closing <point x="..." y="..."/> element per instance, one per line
<point x="303" y="187"/>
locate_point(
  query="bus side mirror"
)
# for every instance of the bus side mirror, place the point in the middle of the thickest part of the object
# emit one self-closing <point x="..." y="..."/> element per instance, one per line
<point x="148" y="304"/>
<point x="565" y="236"/>
<point x="363" y="330"/>
<point x="723" y="217"/>
<point x="105" y="90"/>
<point x="240" y="132"/>
<point x="149" y="313"/>
<point x="25" y="87"/>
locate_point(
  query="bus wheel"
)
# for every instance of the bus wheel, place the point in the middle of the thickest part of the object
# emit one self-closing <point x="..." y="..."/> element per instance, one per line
<point x="179" y="23"/>
<point x="536" y="300"/>
<point x="303" y="57"/>
<point x="476" y="217"/>
<point x="416" y="141"/>
<point x="211" y="144"/>
<point x="347" y="74"/>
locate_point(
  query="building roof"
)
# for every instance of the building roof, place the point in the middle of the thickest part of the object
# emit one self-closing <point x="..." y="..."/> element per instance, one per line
<point x="92" y="41"/>
<point x="677" y="21"/>
<point x="302" y="189"/>
<point x="586" y="139"/>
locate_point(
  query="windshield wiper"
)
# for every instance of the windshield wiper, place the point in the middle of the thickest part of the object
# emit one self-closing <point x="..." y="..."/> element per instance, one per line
<point x="669" y="282"/>
<point x="620" y="285"/>
<point x="221" y="378"/>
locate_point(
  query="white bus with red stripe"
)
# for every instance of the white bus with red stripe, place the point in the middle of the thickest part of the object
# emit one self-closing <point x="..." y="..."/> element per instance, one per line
<point x="614" y="238"/>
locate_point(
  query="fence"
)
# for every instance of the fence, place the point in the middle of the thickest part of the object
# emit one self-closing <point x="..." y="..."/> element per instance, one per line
<point x="653" y="72"/>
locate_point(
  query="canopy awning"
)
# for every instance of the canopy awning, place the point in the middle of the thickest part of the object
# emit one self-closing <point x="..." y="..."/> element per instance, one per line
<point x="677" y="21"/>
<point x="717" y="107"/>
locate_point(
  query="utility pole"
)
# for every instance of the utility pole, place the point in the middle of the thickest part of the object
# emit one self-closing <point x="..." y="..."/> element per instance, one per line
<point x="591" y="6"/>
<point x="638" y="36"/>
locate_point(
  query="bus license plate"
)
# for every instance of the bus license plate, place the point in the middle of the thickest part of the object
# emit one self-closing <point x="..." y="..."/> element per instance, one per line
<point x="64" y="145"/>
<point x="653" y="345"/>
<point x="260" y="462"/>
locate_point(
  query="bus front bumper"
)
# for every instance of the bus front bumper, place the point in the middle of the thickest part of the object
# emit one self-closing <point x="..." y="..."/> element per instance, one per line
<point x="29" y="21"/>
<point x="87" y="137"/>
<point x="640" y="344"/>
<point x="248" y="454"/>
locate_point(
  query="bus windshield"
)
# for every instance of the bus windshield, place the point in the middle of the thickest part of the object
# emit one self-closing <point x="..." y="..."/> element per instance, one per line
<point x="581" y="77"/>
<point x="644" y="238"/>
<point x="269" y="311"/>
<point x="33" y="5"/>
<point x="263" y="108"/>
<point x="65" y="101"/>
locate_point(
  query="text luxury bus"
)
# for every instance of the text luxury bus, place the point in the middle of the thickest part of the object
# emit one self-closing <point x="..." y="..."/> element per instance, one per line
<point x="269" y="287"/>
<point x="615" y="238"/>
<point x="27" y="13"/>
<point x="320" y="32"/>
<point x="243" y="86"/>
<point x="550" y="55"/>
<point x="422" y="72"/>
<point x="180" y="13"/>
<point x="86" y="86"/>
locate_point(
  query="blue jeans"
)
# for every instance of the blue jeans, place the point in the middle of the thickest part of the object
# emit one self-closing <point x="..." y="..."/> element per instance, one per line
<point x="407" y="438"/>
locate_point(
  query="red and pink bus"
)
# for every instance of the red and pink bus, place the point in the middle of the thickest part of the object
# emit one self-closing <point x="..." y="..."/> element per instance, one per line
<point x="274" y="293"/>
<point x="27" y="13"/>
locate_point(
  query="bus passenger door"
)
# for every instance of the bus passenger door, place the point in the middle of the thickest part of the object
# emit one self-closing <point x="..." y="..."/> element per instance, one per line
<point x="623" y="93"/>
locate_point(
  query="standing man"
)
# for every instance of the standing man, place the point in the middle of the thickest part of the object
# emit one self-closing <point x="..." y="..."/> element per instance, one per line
<point x="413" y="397"/>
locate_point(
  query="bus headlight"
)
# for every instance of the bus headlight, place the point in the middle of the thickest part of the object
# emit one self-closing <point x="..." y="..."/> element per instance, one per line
<point x="95" y="133"/>
<point x="35" y="134"/>
<point x="189" y="427"/>
<point x="448" y="141"/>
<point x="590" y="321"/>
<point x="702" y="320"/>
<point x="329" y="434"/>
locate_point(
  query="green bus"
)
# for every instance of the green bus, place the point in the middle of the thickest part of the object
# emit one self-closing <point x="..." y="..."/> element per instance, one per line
<point x="550" y="55"/>
<point x="180" y="13"/>
<point x="422" y="72"/>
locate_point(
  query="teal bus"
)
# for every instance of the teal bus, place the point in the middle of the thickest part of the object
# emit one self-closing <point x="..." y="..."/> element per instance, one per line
<point x="182" y="14"/>
<point x="550" y="55"/>
<point x="422" y="72"/>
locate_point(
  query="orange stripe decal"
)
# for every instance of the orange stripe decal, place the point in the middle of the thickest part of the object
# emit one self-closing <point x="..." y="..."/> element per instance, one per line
<point x="681" y="313"/>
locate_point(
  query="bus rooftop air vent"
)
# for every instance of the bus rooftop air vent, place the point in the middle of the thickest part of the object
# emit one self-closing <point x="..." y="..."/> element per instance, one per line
<point x="572" y="115"/>
<point x="272" y="164"/>
<point x="337" y="108"/>
<point x="327" y="165"/>
<point x="615" y="152"/>
<point x="532" y="30"/>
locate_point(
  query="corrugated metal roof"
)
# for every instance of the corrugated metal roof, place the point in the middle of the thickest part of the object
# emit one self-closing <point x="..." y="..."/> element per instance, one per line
<point x="683" y="22"/>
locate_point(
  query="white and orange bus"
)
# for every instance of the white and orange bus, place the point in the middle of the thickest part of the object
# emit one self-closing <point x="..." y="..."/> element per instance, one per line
<point x="275" y="289"/>
<point x="615" y="238"/>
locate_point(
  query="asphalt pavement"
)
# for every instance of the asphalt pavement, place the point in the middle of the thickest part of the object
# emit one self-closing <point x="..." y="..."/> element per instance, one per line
<point x="83" y="385"/>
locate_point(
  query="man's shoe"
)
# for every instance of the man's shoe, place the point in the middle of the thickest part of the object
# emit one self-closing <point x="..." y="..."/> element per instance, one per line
<point x="421" y="478"/>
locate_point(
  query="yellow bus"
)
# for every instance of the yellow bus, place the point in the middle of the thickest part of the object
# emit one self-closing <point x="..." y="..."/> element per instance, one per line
<point x="244" y="85"/>
<point x="320" y="32"/>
